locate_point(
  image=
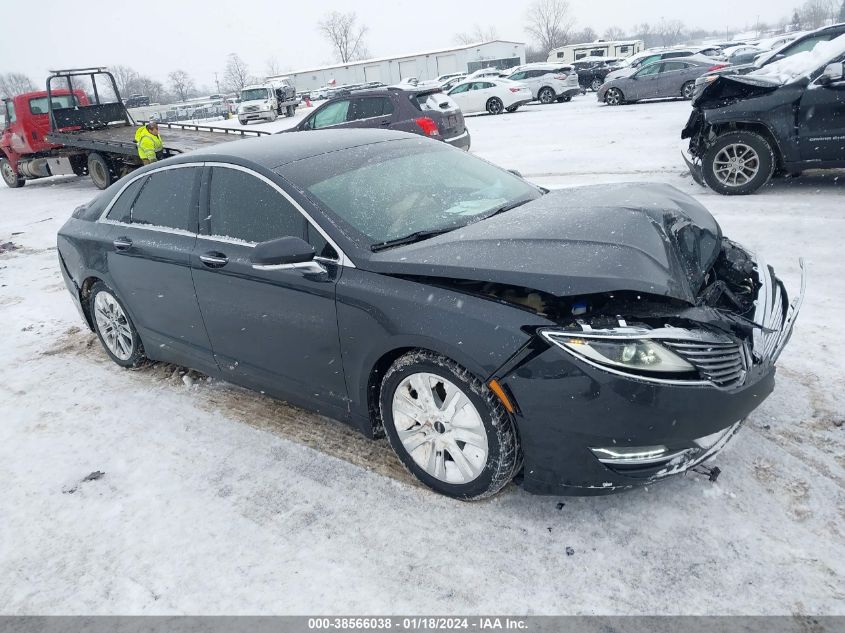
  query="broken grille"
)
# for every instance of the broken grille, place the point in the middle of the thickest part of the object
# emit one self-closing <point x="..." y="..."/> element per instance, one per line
<point x="723" y="364"/>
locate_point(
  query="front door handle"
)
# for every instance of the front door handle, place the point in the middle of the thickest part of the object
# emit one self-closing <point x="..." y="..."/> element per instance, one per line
<point x="122" y="244"/>
<point x="214" y="259"/>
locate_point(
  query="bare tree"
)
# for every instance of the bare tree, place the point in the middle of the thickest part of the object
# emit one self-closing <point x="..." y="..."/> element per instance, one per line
<point x="237" y="73"/>
<point x="550" y="23"/>
<point x="816" y="13"/>
<point x="12" y="84"/>
<point x="124" y="76"/>
<point x="841" y="17"/>
<point x="345" y="37"/>
<point x="151" y="88"/>
<point x="670" y="31"/>
<point x="272" y="68"/>
<point x="476" y="35"/>
<point x="587" y="34"/>
<point x="182" y="84"/>
<point x="614" y="33"/>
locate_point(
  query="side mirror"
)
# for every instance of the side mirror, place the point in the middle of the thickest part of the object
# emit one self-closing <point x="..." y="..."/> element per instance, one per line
<point x="833" y="73"/>
<point x="285" y="253"/>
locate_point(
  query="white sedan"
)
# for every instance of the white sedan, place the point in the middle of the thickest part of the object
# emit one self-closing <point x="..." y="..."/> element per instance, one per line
<point x="493" y="95"/>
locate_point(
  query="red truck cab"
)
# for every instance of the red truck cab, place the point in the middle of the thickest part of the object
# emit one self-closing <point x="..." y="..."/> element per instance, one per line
<point x="28" y="122"/>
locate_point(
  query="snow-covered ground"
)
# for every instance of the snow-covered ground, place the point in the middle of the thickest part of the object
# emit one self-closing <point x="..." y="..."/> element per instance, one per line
<point x="218" y="500"/>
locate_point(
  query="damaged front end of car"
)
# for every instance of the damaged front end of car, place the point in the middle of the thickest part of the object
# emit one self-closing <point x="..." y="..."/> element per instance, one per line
<point x="633" y="388"/>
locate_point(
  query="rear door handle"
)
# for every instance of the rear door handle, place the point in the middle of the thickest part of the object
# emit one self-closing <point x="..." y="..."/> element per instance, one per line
<point x="122" y="244"/>
<point x="214" y="259"/>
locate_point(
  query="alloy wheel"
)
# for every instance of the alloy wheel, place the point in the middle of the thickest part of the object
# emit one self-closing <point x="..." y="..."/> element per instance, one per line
<point x="613" y="97"/>
<point x="596" y="84"/>
<point x="547" y="95"/>
<point x="687" y="90"/>
<point x="494" y="106"/>
<point x="735" y="165"/>
<point x="113" y="325"/>
<point x="440" y="428"/>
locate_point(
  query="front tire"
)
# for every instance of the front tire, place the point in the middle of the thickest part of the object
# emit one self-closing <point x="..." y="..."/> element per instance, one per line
<point x="687" y="90"/>
<point x="448" y="429"/>
<point x="243" y="121"/>
<point x="738" y="163"/>
<point x="100" y="171"/>
<point x="495" y="106"/>
<point x="114" y="328"/>
<point x="614" y="97"/>
<point x="11" y="179"/>
<point x="546" y="95"/>
<point x="595" y="84"/>
<point x="273" y="115"/>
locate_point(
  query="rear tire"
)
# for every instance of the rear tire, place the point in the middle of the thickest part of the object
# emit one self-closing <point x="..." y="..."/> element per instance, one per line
<point x="243" y="121"/>
<point x="453" y="434"/>
<point x="546" y="95"/>
<point x="114" y="328"/>
<point x="100" y="171"/>
<point x="79" y="164"/>
<point x="687" y="90"/>
<point x="595" y="84"/>
<point x="738" y="163"/>
<point x="495" y="105"/>
<point x="11" y="179"/>
<point x="564" y="98"/>
<point x="512" y="108"/>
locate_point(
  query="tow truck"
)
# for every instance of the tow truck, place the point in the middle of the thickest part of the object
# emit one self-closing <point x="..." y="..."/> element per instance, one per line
<point x="80" y="125"/>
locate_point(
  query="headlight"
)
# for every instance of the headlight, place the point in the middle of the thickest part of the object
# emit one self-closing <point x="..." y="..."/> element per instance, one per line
<point x="633" y="354"/>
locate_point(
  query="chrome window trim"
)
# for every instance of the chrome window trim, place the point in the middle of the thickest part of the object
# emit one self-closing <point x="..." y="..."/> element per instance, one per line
<point x="342" y="259"/>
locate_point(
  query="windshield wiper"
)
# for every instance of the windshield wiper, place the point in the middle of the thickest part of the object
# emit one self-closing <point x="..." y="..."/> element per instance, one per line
<point x="417" y="236"/>
<point x="507" y="207"/>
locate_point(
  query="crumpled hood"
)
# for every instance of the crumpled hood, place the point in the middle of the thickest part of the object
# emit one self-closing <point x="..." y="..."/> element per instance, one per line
<point x="729" y="88"/>
<point x="649" y="238"/>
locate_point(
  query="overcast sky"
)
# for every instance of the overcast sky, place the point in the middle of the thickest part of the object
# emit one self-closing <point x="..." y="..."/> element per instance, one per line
<point x="157" y="36"/>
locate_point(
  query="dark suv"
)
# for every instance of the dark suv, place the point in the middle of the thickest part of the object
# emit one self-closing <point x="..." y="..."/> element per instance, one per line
<point x="427" y="112"/>
<point x="799" y="45"/>
<point x="787" y="118"/>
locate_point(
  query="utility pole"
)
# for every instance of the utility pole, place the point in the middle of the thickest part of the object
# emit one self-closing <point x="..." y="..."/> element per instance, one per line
<point x="216" y="83"/>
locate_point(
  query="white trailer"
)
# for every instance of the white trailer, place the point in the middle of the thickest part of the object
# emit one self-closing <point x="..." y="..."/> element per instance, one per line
<point x="600" y="48"/>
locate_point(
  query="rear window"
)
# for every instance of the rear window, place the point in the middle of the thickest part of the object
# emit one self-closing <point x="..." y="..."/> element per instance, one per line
<point x="41" y="106"/>
<point x="437" y="101"/>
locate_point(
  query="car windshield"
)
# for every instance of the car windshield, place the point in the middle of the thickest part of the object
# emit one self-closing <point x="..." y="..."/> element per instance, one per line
<point x="387" y="191"/>
<point x="254" y="94"/>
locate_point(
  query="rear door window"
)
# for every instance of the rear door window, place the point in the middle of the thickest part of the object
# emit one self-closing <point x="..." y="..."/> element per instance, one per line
<point x="244" y="207"/>
<point x="371" y="107"/>
<point x="168" y="199"/>
<point x="670" y="66"/>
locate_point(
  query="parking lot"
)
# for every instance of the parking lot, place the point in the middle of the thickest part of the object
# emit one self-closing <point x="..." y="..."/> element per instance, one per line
<point x="213" y="499"/>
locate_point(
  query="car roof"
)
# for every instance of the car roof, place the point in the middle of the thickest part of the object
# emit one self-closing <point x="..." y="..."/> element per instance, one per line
<point x="274" y="150"/>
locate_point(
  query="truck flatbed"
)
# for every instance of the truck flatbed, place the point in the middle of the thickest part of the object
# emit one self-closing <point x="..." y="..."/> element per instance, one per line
<point x="176" y="138"/>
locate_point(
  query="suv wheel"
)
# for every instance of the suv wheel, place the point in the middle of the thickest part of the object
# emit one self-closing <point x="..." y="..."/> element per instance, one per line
<point x="9" y="176"/>
<point x="546" y="95"/>
<point x="447" y="427"/>
<point x="495" y="105"/>
<point x="614" y="97"/>
<point x="738" y="163"/>
<point x="595" y="84"/>
<point x="687" y="89"/>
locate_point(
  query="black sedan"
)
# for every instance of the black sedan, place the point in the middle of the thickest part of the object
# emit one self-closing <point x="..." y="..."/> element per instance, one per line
<point x="591" y="339"/>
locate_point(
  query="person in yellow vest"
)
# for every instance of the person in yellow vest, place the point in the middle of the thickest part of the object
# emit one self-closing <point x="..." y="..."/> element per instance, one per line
<point x="149" y="143"/>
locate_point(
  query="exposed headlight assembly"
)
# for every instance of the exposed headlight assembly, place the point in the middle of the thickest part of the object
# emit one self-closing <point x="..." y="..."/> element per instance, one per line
<point x="631" y="352"/>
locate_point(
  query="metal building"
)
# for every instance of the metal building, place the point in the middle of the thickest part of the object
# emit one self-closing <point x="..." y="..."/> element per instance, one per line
<point x="425" y="65"/>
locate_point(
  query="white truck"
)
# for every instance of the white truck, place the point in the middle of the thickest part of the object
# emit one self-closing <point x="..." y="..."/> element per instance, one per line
<point x="264" y="102"/>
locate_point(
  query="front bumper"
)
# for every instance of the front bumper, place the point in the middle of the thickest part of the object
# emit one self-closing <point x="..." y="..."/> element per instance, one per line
<point x="567" y="409"/>
<point x="255" y="115"/>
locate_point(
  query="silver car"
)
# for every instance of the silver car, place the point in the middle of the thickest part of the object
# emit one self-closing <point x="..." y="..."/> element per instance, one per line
<point x="661" y="79"/>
